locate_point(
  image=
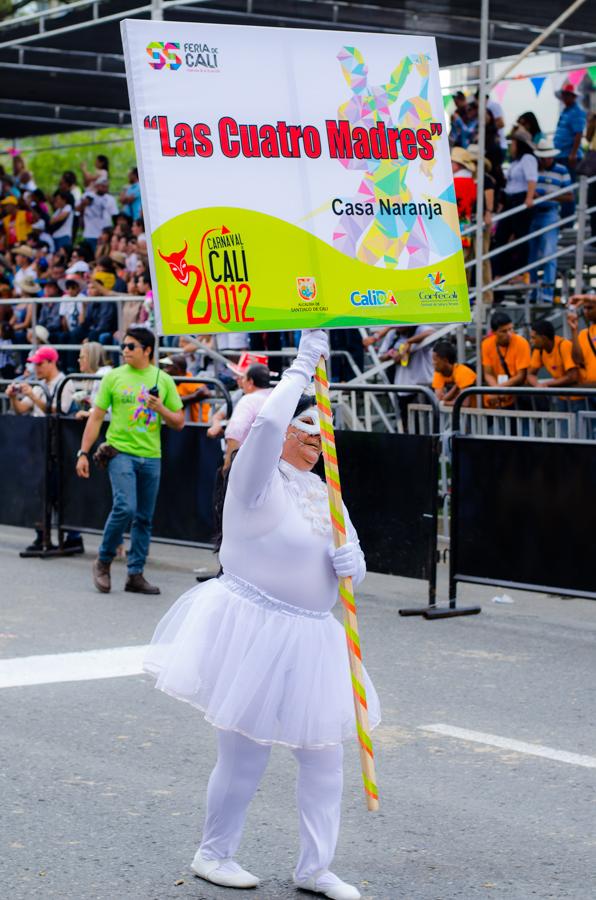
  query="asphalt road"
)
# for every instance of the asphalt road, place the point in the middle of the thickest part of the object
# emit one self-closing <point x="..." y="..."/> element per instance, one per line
<point x="103" y="780"/>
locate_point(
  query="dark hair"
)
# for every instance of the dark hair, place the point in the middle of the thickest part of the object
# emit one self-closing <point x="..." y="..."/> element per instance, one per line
<point x="103" y="161"/>
<point x="446" y="350"/>
<point x="179" y="362"/>
<point x="531" y="123"/>
<point x="69" y="177"/>
<point x="135" y="171"/>
<point x="144" y="336"/>
<point x="65" y="195"/>
<point x="498" y="319"/>
<point x="85" y="250"/>
<point x="107" y="263"/>
<point x="305" y="402"/>
<point x="544" y="328"/>
<point x="259" y="375"/>
<point x="522" y="149"/>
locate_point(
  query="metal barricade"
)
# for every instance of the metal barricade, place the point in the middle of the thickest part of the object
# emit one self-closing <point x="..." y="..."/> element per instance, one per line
<point x="521" y="507"/>
<point x="190" y="461"/>
<point x="390" y="482"/>
<point x="25" y="496"/>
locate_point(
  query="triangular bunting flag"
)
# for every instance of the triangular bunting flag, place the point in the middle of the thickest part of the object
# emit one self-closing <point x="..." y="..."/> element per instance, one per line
<point x="576" y="77"/>
<point x="500" y="90"/>
<point x="592" y="74"/>
<point x="537" y="82"/>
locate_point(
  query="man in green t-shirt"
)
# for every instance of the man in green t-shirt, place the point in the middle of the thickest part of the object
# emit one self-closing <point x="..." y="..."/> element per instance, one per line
<point x="141" y="397"/>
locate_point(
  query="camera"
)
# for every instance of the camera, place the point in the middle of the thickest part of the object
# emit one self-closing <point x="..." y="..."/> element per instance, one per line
<point x="154" y="391"/>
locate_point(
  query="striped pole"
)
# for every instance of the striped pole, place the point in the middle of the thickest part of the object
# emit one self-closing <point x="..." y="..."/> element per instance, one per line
<point x="346" y="591"/>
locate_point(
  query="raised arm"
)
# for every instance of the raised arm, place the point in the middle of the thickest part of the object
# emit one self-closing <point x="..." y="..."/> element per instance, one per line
<point x="259" y="455"/>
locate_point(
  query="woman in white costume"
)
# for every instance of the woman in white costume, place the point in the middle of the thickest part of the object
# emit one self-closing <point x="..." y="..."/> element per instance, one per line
<point x="258" y="650"/>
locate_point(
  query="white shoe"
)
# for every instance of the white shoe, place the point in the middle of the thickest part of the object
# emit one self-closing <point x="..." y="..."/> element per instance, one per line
<point x="225" y="872"/>
<point x="329" y="885"/>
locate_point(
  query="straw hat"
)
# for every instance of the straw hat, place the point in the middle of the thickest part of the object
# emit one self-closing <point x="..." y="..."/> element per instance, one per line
<point x="10" y="200"/>
<point x="473" y="151"/>
<point x="463" y="158"/>
<point x="42" y="334"/>
<point x="29" y="285"/>
<point x="24" y="250"/>
<point x="523" y="135"/>
<point x="545" y="149"/>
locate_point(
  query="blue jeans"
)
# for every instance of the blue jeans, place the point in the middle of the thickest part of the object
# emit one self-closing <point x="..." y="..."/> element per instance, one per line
<point x="544" y="245"/>
<point x="65" y="241"/>
<point x="135" y="483"/>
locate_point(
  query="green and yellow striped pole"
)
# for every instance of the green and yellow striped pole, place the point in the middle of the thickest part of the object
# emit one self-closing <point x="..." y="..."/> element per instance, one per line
<point x="346" y="591"/>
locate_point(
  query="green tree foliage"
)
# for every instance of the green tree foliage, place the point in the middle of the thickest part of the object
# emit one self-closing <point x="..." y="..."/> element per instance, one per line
<point x="46" y="160"/>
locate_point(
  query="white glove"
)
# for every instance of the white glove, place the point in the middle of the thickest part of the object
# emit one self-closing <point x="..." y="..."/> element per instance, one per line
<point x="348" y="561"/>
<point x="313" y="344"/>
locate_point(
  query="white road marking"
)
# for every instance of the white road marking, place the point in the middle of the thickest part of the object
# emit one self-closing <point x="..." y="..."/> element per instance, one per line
<point x="85" y="666"/>
<point x="494" y="740"/>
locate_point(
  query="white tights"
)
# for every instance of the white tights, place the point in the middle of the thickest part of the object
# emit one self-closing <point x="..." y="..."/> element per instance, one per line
<point x="240" y="766"/>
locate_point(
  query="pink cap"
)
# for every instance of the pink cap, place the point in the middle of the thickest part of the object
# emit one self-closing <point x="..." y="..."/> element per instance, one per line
<point x="43" y="354"/>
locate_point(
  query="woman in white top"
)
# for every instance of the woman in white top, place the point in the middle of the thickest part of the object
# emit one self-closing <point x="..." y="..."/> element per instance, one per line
<point x="62" y="219"/>
<point x="520" y="189"/>
<point x="258" y="650"/>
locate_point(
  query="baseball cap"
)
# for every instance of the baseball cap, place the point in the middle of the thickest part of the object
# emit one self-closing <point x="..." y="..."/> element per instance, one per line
<point x="567" y="88"/>
<point x="106" y="278"/>
<point x="43" y="354"/>
<point x="80" y="267"/>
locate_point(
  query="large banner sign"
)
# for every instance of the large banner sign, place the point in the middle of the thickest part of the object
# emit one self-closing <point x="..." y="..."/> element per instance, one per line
<point x="293" y="179"/>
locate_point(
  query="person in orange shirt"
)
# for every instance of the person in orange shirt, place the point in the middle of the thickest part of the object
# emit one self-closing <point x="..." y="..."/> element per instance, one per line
<point x="450" y="377"/>
<point x="189" y="392"/>
<point x="553" y="353"/>
<point x="584" y="341"/>
<point x="505" y="359"/>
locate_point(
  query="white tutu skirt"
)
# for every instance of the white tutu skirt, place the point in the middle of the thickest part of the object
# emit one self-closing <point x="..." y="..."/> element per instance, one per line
<point x="253" y="664"/>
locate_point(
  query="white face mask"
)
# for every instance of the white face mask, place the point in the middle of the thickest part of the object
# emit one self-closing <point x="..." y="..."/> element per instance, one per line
<point x="308" y="421"/>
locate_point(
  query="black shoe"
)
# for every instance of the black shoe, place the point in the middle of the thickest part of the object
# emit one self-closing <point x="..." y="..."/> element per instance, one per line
<point x="36" y="549"/>
<point x="73" y="545"/>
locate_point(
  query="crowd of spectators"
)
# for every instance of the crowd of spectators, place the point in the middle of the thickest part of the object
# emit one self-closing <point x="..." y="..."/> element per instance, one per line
<point x="82" y="243"/>
<point x="521" y="167"/>
<point x="76" y="245"/>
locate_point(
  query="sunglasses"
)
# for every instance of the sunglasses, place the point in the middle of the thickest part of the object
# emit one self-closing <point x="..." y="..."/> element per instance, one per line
<point x="129" y="345"/>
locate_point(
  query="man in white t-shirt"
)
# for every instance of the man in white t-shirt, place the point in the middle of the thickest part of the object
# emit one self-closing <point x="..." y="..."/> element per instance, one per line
<point x="99" y="208"/>
<point x="255" y="386"/>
